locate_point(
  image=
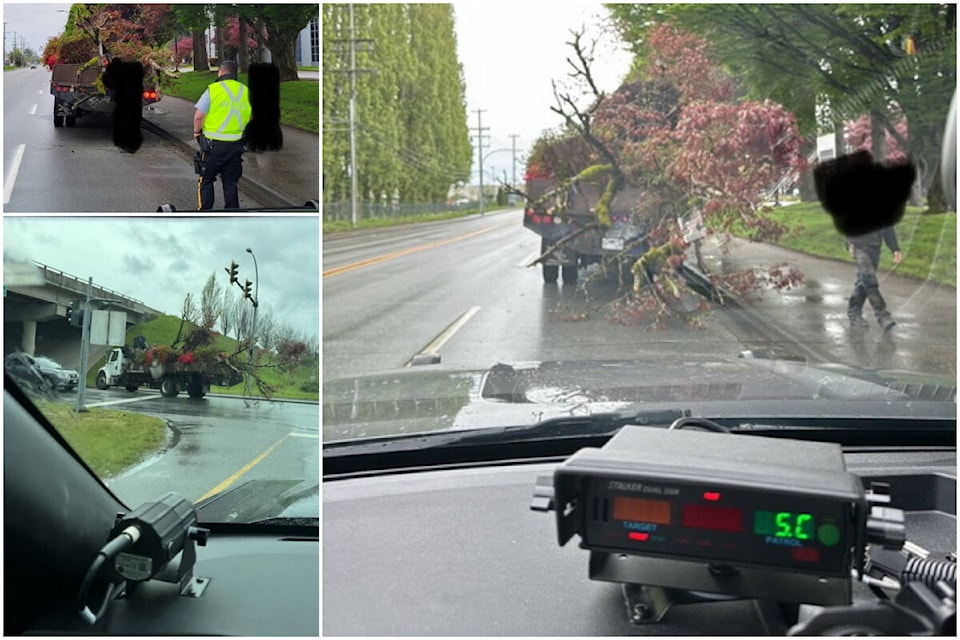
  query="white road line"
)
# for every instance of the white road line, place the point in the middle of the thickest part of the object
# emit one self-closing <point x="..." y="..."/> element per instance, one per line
<point x="302" y="434"/>
<point x="33" y="111"/>
<point x="124" y="401"/>
<point x="12" y="174"/>
<point x="447" y="333"/>
<point x="530" y="258"/>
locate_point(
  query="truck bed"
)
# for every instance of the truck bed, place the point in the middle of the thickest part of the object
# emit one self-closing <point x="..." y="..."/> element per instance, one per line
<point x="584" y="197"/>
<point x="68" y="74"/>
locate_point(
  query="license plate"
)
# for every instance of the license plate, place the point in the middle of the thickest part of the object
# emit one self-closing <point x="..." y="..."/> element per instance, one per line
<point x="612" y="244"/>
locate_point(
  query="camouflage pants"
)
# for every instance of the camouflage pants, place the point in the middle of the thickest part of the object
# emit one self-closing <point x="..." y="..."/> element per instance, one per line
<point x="867" y="287"/>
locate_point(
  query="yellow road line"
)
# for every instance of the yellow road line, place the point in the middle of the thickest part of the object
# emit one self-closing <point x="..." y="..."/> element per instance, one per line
<point x="236" y="476"/>
<point x="403" y="252"/>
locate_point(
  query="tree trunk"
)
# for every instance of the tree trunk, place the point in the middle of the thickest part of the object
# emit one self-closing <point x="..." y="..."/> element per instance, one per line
<point x="878" y="140"/>
<point x="200" y="61"/>
<point x="284" y="53"/>
<point x="243" y="58"/>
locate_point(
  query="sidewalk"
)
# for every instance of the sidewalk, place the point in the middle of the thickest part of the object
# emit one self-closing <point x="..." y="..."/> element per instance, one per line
<point x="814" y="314"/>
<point x="286" y="178"/>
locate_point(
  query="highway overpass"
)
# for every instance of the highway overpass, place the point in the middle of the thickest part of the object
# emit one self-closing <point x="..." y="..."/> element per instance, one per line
<point x="35" y="312"/>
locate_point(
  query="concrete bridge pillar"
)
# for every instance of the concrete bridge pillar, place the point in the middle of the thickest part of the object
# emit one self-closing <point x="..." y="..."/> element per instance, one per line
<point x="28" y="341"/>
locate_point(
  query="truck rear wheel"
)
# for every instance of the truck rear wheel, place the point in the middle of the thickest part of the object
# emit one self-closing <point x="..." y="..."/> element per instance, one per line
<point x="132" y="387"/>
<point x="570" y="272"/>
<point x="168" y="388"/>
<point x="550" y="272"/>
<point x="70" y="120"/>
<point x="57" y="121"/>
<point x="102" y="381"/>
<point x="197" y="390"/>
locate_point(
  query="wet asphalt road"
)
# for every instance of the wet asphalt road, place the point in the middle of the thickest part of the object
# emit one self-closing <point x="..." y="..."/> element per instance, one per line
<point x="215" y="443"/>
<point x="73" y="170"/>
<point x="462" y="288"/>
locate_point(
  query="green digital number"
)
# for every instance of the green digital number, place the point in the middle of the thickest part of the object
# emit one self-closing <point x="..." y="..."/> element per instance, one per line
<point x="804" y="526"/>
<point x="783" y="525"/>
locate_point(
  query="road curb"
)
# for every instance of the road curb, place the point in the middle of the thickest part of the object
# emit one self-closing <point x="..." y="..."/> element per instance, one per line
<point x="261" y="399"/>
<point x="231" y="396"/>
<point x="264" y="194"/>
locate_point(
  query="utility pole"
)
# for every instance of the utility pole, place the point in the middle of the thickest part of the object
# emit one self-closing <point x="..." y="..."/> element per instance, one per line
<point x="513" y="178"/>
<point x="352" y="43"/>
<point x="353" y="123"/>
<point x="84" y="349"/>
<point x="480" y="129"/>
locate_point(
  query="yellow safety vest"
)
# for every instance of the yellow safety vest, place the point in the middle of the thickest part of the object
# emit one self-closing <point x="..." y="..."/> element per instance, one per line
<point x="229" y="111"/>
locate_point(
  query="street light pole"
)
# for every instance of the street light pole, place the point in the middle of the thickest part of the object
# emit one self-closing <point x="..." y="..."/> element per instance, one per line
<point x="253" y="328"/>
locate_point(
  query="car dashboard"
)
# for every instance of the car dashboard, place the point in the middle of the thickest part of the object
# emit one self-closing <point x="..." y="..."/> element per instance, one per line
<point x="258" y="584"/>
<point x="459" y="552"/>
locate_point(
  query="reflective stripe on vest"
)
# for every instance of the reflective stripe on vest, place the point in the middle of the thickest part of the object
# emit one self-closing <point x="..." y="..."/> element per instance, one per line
<point x="229" y="111"/>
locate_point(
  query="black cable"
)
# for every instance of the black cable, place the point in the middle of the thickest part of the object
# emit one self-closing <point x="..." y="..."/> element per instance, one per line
<point x="109" y="552"/>
<point x="694" y="421"/>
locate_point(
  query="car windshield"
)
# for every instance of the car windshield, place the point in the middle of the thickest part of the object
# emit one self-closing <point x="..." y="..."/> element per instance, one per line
<point x="567" y="210"/>
<point x="179" y="354"/>
<point x="47" y="362"/>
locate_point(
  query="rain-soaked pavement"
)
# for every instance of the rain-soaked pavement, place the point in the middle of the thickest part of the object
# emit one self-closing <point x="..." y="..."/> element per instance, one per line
<point x="814" y="314"/>
<point x="217" y="443"/>
<point x="463" y="289"/>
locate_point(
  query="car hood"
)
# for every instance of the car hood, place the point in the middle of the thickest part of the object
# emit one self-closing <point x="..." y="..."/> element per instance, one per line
<point x="416" y="400"/>
<point x="263" y="500"/>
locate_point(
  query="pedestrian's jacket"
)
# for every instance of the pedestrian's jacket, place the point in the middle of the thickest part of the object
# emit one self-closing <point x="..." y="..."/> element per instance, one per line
<point x="875" y="239"/>
<point x="229" y="111"/>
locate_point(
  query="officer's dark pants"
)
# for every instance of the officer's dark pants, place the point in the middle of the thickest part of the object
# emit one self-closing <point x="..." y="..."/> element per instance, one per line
<point x="867" y="286"/>
<point x="226" y="159"/>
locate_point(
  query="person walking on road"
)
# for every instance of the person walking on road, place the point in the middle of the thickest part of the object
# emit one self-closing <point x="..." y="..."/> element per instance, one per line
<point x="866" y="251"/>
<point x="223" y="113"/>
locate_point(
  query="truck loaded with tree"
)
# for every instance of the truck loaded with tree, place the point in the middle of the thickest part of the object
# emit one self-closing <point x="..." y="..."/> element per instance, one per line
<point x="635" y="179"/>
<point x="83" y="81"/>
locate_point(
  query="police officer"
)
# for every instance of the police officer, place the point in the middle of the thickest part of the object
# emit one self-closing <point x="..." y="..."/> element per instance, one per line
<point x="866" y="251"/>
<point x="223" y="112"/>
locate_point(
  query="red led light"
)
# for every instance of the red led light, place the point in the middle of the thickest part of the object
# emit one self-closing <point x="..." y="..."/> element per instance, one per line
<point x="547" y="220"/>
<point x="715" y="518"/>
<point x="712" y="496"/>
<point x="536" y="219"/>
<point x="636" y="535"/>
<point x="805" y="554"/>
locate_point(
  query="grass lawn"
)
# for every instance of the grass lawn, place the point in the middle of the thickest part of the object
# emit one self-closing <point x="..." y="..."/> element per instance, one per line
<point x="300" y="384"/>
<point x="928" y="242"/>
<point x="299" y="100"/>
<point x="308" y="68"/>
<point x="108" y="441"/>
<point x="334" y="226"/>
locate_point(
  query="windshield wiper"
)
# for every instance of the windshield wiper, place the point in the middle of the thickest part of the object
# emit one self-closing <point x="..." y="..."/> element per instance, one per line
<point x="548" y="438"/>
<point x="288" y="521"/>
<point x="562" y="436"/>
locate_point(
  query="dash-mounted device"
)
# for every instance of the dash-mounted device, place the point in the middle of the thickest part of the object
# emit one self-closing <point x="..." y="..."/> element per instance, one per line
<point x="744" y="516"/>
<point x="143" y="545"/>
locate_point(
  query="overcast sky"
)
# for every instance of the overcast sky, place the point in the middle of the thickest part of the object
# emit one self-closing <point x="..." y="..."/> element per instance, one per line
<point x="510" y="52"/>
<point x="160" y="260"/>
<point x="36" y="22"/>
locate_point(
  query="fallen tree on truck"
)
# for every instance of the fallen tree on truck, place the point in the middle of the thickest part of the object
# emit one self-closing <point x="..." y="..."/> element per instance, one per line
<point x="626" y="179"/>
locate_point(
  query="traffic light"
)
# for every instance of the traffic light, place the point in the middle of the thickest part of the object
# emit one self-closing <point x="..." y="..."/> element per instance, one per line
<point x="246" y="290"/>
<point x="233" y="272"/>
<point x="75" y="314"/>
